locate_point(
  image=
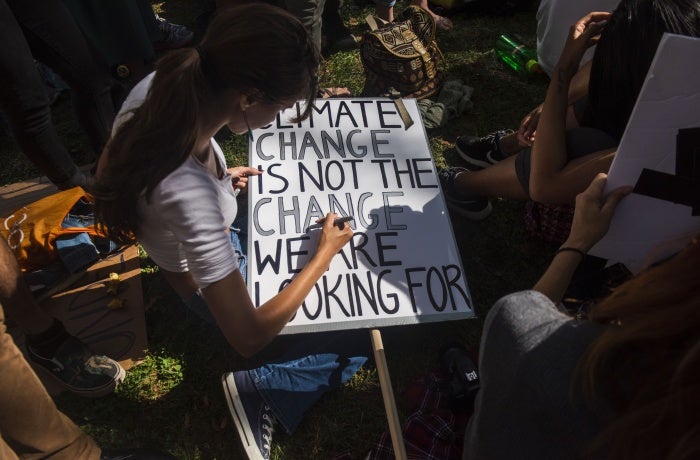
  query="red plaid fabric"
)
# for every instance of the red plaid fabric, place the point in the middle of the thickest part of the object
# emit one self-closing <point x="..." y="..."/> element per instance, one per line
<point x="432" y="431"/>
<point x="549" y="222"/>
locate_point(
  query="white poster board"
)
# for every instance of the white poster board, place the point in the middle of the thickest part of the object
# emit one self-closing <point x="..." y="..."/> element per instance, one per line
<point x="660" y="156"/>
<point x="354" y="157"/>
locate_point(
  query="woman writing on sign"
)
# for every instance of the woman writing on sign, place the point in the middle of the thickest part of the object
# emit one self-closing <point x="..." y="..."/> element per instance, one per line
<point x="163" y="181"/>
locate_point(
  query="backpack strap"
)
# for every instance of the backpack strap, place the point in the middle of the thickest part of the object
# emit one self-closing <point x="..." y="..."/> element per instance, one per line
<point x="375" y="22"/>
<point x="401" y="108"/>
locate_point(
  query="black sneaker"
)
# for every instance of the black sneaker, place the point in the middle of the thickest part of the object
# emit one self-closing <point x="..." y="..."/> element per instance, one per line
<point x="481" y="152"/>
<point x="253" y="418"/>
<point x="172" y="35"/>
<point x="476" y="208"/>
<point x="78" y="370"/>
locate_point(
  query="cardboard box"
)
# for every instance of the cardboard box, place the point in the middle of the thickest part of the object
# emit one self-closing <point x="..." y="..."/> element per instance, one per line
<point x="84" y="308"/>
<point x="82" y="303"/>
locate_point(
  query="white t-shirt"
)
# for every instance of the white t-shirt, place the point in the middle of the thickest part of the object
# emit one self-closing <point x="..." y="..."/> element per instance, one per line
<point x="184" y="227"/>
<point x="554" y="18"/>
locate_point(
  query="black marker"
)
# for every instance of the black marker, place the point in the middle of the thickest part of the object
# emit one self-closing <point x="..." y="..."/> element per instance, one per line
<point x="338" y="222"/>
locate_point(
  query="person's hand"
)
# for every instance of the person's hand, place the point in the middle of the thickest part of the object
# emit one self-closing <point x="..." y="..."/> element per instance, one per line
<point x="593" y="213"/>
<point x="582" y="35"/>
<point x="528" y="126"/>
<point x="239" y="176"/>
<point x="333" y="237"/>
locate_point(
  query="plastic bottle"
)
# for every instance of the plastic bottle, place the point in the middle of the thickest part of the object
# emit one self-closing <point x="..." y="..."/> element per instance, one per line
<point x="517" y="56"/>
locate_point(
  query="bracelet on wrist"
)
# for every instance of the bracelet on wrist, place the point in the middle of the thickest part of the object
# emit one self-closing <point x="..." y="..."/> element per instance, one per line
<point x="570" y="249"/>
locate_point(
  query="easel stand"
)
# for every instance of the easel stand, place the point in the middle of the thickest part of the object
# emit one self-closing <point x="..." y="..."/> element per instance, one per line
<point x="388" y="395"/>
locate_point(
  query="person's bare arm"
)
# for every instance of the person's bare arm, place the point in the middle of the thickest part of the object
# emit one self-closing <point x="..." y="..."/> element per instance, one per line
<point x="591" y="222"/>
<point x="549" y="180"/>
<point x="578" y="89"/>
<point x="249" y="329"/>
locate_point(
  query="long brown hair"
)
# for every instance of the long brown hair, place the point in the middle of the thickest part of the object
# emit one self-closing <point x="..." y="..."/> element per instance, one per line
<point x="646" y="363"/>
<point x="257" y="49"/>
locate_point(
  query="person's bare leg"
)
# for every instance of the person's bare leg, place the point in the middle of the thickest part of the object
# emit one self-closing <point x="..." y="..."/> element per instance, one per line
<point x="441" y="22"/>
<point x="15" y="297"/>
<point x="499" y="180"/>
<point x="384" y="12"/>
<point x="510" y="144"/>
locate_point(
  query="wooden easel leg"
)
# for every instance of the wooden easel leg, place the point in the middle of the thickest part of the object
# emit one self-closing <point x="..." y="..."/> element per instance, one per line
<point x="388" y="395"/>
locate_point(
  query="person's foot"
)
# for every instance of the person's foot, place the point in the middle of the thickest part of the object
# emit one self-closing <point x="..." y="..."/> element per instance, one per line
<point x="69" y="362"/>
<point x="172" y="35"/>
<point x="481" y="152"/>
<point x="135" y="454"/>
<point x="442" y="23"/>
<point x="253" y="418"/>
<point x="473" y="208"/>
<point x="325" y="93"/>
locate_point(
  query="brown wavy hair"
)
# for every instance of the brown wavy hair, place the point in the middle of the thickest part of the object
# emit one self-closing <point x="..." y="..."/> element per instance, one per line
<point x="646" y="363"/>
<point x="258" y="49"/>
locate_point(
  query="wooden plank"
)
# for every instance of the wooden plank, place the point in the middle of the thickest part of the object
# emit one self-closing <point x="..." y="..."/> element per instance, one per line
<point x="388" y="394"/>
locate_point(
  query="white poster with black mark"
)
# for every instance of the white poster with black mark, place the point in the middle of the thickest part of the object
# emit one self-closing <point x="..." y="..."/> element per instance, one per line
<point x="660" y="156"/>
<point x="354" y="157"/>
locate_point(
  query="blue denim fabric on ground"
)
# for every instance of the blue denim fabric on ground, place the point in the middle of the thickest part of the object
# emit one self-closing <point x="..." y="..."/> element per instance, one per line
<point x="80" y="250"/>
<point x="311" y="364"/>
<point x="317" y="363"/>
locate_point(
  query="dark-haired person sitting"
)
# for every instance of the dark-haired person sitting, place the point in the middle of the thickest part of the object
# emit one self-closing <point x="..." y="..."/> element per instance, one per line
<point x="620" y="384"/>
<point x="163" y="180"/>
<point x="574" y="135"/>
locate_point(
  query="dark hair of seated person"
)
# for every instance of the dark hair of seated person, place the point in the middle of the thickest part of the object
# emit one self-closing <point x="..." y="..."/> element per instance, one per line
<point x="624" y="54"/>
<point x="646" y="363"/>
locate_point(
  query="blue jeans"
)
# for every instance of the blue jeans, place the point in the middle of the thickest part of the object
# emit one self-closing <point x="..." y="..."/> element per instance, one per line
<point x="310" y="365"/>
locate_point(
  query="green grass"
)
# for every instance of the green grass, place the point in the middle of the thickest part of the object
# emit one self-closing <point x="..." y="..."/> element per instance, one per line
<point x="173" y="399"/>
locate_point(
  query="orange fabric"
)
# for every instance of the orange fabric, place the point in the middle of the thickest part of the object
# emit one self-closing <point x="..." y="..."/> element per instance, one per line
<point x="31" y="231"/>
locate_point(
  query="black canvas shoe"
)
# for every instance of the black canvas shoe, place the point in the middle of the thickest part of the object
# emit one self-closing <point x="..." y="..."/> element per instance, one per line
<point x="481" y="152"/>
<point x="172" y="36"/>
<point x="253" y="418"/>
<point x="73" y="366"/>
<point x="475" y="208"/>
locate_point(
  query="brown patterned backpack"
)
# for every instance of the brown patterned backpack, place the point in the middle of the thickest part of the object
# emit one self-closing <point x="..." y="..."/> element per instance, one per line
<point x="402" y="56"/>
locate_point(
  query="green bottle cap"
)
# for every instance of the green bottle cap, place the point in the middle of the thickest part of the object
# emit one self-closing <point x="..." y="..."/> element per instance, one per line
<point x="533" y="67"/>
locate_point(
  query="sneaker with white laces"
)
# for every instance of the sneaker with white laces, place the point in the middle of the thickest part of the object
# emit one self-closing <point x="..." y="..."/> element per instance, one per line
<point x="481" y="152"/>
<point x="173" y="35"/>
<point x="72" y="365"/>
<point x="475" y="208"/>
<point x="253" y="418"/>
